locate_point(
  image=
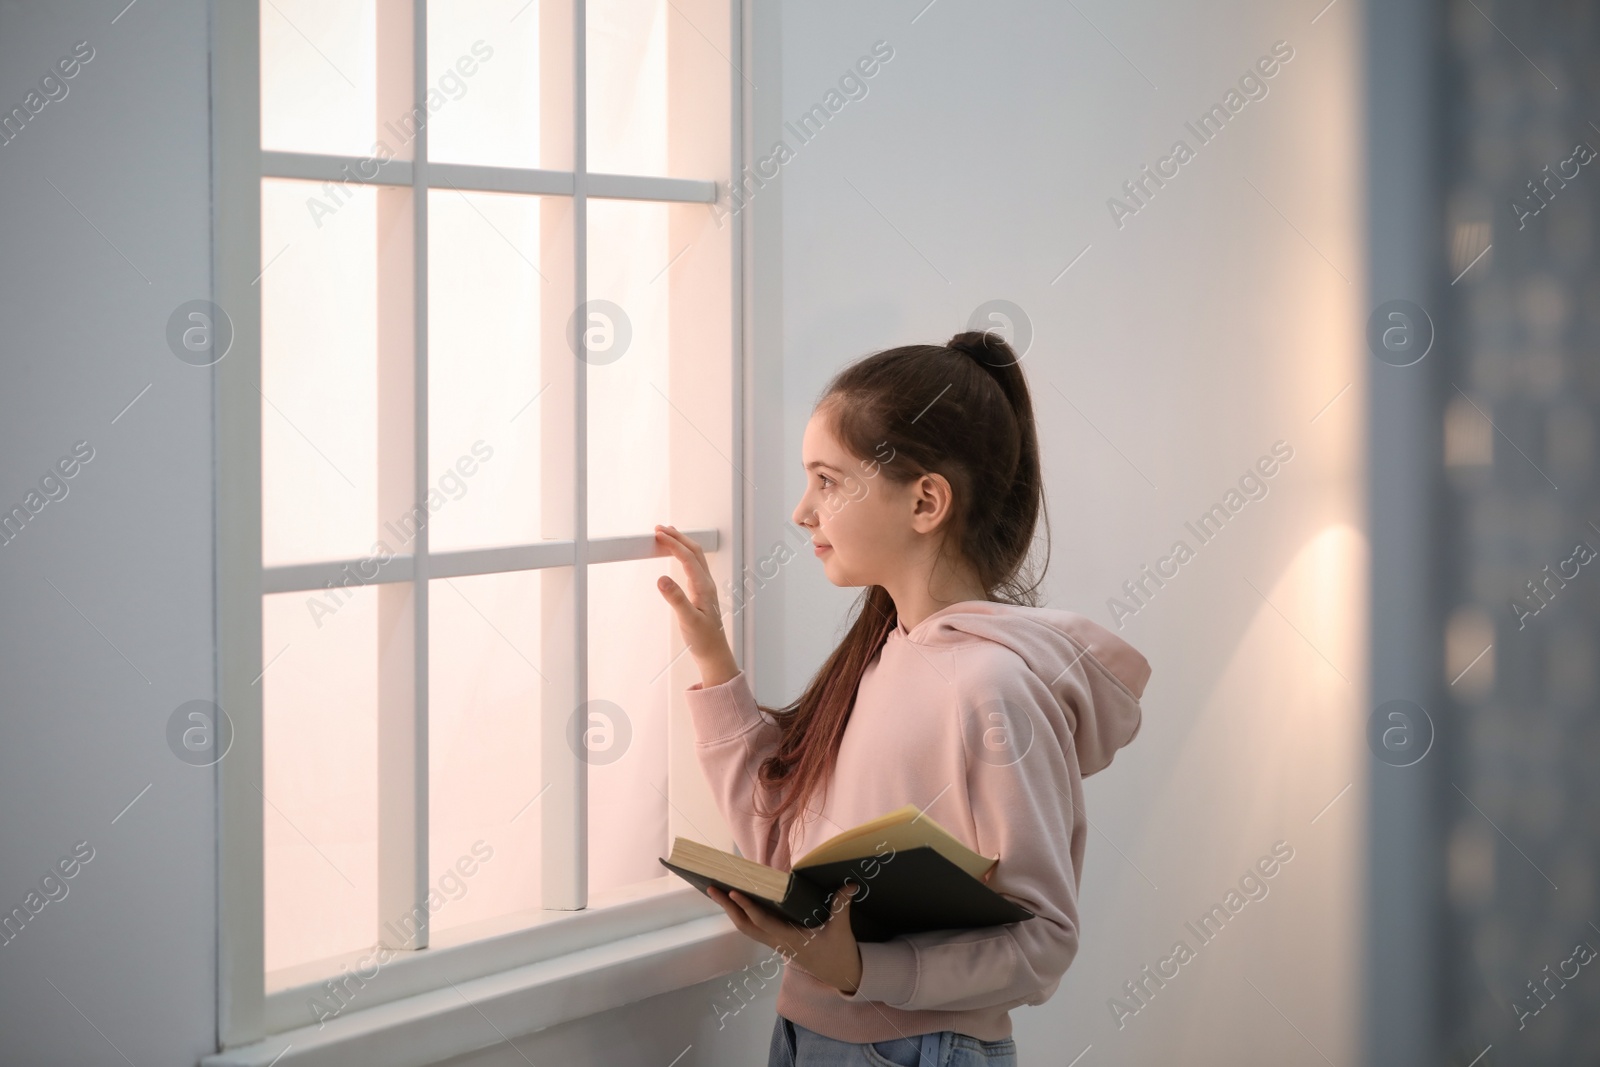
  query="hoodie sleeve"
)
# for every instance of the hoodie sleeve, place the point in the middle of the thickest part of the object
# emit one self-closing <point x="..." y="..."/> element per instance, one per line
<point x="1024" y="786"/>
<point x="732" y="738"/>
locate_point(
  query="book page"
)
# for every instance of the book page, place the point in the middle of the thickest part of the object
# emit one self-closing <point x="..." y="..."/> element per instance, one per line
<point x="903" y="828"/>
<point x="753" y="877"/>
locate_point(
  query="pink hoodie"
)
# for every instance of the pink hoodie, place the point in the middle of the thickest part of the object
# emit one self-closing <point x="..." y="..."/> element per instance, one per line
<point x="987" y="716"/>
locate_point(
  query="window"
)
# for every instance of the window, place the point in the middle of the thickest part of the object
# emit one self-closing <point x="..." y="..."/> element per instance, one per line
<point x="484" y="335"/>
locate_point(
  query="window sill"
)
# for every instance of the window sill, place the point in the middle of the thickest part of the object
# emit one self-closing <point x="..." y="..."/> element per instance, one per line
<point x="428" y="1007"/>
<point x="427" y="1027"/>
<point x="458" y="954"/>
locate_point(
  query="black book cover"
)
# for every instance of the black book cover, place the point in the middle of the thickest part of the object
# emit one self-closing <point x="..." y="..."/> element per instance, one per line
<point x="909" y="892"/>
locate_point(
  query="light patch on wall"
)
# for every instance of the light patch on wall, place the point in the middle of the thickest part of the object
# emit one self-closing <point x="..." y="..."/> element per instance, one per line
<point x="1469" y="246"/>
<point x="1469" y="652"/>
<point x="1468" y="437"/>
<point x="1271" y="745"/>
<point x="1470" y="863"/>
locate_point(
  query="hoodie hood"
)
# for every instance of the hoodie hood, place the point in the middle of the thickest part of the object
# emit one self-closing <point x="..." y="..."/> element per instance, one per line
<point x="1095" y="676"/>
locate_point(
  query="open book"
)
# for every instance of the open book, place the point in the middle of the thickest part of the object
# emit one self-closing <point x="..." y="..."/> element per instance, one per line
<point x="913" y="876"/>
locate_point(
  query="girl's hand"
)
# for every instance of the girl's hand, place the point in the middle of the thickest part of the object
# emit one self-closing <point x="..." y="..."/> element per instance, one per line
<point x="829" y="952"/>
<point x="699" y="617"/>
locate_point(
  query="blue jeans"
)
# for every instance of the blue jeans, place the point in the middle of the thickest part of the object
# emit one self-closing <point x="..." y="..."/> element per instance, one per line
<point x="795" y="1046"/>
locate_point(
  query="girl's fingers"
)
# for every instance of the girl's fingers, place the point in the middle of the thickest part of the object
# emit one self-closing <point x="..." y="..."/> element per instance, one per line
<point x="669" y="538"/>
<point x="752" y="911"/>
<point x="702" y="590"/>
<point x="672" y="543"/>
<point x="739" y="902"/>
<point x="723" y="902"/>
<point x="682" y="555"/>
<point x="739" y="917"/>
<point x="682" y="548"/>
<point x="695" y="601"/>
<point x="760" y="926"/>
<point x="694" y="546"/>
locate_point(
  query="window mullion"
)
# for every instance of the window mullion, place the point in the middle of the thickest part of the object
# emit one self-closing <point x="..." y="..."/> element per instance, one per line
<point x="402" y="324"/>
<point x="564" y="622"/>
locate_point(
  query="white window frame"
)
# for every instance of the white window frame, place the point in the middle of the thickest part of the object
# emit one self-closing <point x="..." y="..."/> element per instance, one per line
<point x="604" y="950"/>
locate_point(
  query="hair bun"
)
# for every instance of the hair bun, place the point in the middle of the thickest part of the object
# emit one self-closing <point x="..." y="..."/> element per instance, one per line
<point x="985" y="346"/>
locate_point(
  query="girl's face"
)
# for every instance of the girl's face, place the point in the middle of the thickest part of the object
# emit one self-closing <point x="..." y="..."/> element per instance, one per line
<point x="874" y="530"/>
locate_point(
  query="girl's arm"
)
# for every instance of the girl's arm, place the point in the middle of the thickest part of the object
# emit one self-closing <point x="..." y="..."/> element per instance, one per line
<point x="732" y="739"/>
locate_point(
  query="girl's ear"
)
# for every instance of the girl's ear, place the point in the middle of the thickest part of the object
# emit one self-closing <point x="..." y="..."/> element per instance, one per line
<point x="931" y="502"/>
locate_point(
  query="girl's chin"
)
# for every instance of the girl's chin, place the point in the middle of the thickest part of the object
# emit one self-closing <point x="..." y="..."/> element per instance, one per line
<point x="840" y="579"/>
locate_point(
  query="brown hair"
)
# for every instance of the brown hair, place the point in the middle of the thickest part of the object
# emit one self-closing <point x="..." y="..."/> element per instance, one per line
<point x="961" y="410"/>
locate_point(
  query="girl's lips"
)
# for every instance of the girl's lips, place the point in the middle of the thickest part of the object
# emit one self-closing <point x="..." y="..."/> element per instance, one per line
<point x="820" y="549"/>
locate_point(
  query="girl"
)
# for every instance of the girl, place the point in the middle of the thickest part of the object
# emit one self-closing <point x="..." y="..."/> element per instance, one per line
<point x="952" y="691"/>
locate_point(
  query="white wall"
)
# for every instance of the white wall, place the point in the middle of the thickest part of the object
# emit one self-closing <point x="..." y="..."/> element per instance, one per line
<point x="1190" y="340"/>
<point x="1207" y="328"/>
<point x="106" y="596"/>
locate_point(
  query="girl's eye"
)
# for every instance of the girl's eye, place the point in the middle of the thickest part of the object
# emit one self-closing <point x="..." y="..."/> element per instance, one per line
<point x="826" y="481"/>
